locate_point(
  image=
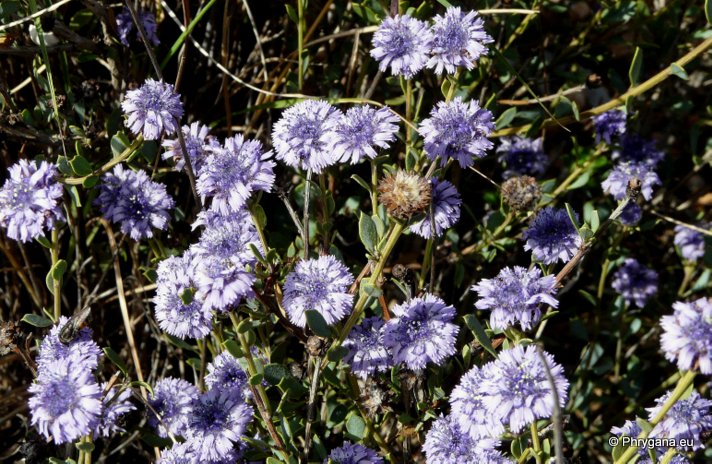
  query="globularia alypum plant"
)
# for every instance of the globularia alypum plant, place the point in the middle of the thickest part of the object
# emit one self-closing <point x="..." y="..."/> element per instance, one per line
<point x="430" y="234"/>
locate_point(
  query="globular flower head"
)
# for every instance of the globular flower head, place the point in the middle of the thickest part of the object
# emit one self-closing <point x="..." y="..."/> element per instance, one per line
<point x="443" y="212"/>
<point x="609" y="125"/>
<point x="691" y="243"/>
<point x="116" y="403"/>
<point x="30" y="200"/>
<point x="233" y="171"/>
<point x="632" y="429"/>
<point x="518" y="391"/>
<point x="225" y="373"/>
<point x="173" y="400"/>
<point x="179" y="453"/>
<point x="353" y="453"/>
<point x="688" y="418"/>
<point x="457" y="130"/>
<point x="522" y="156"/>
<point x="177" y="310"/>
<point x="367" y="354"/>
<point x="319" y="284"/>
<point x="133" y="200"/>
<point x="152" y="109"/>
<point x="521" y="193"/>
<point x="82" y="351"/>
<point x="360" y="129"/>
<point x="459" y="39"/>
<point x="422" y="332"/>
<point x="124" y="24"/>
<point x="636" y="149"/>
<point x="65" y="401"/>
<point x="447" y="443"/>
<point x="404" y="194"/>
<point x="687" y="335"/>
<point x="468" y="409"/>
<point x="218" y="420"/>
<point x="304" y="136"/>
<point x="552" y="236"/>
<point x="197" y="142"/>
<point x="635" y="282"/>
<point x="631" y="214"/>
<point x="617" y="181"/>
<point x="403" y="43"/>
<point x="514" y="296"/>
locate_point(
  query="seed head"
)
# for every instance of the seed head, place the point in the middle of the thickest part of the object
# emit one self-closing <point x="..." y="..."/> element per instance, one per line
<point x="521" y="193"/>
<point x="404" y="195"/>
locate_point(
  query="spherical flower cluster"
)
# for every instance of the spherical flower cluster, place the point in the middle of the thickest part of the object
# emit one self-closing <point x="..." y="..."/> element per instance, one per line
<point x="304" y="136"/>
<point x="360" y="129"/>
<point x="631" y="214"/>
<point x="30" y="200"/>
<point x="609" y="125"/>
<point x="691" y="243"/>
<point x="225" y="373"/>
<point x="233" y="171"/>
<point x="635" y="282"/>
<point x="687" y="419"/>
<point x="124" y="24"/>
<point x="522" y="156"/>
<point x="116" y="403"/>
<point x="152" y="109"/>
<point x="133" y="200"/>
<point x="353" y="453"/>
<point x="617" y="181"/>
<point x="446" y="443"/>
<point x="403" y="43"/>
<point x="197" y="142"/>
<point x="552" y="236"/>
<point x="514" y="296"/>
<point x="171" y="406"/>
<point x="443" y="213"/>
<point x="421" y="332"/>
<point x="457" y="130"/>
<point x="636" y="149"/>
<point x="468" y="410"/>
<point x="367" y="354"/>
<point x="687" y="335"/>
<point x="81" y="350"/>
<point x="458" y="39"/>
<point x="321" y="285"/>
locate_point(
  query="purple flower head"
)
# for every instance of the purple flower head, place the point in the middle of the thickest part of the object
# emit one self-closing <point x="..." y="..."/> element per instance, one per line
<point x="367" y="354"/>
<point x="180" y="453"/>
<point x="522" y="156"/>
<point x="173" y="400"/>
<point x="225" y="373"/>
<point x="353" y="453"/>
<point x="65" y="401"/>
<point x="116" y="404"/>
<point x="617" y="181"/>
<point x="446" y="208"/>
<point x="132" y="199"/>
<point x="152" y="109"/>
<point x="320" y="284"/>
<point x="636" y="149"/>
<point x="609" y="125"/>
<point x="178" y="311"/>
<point x="691" y="243"/>
<point x="469" y="410"/>
<point x="514" y="296"/>
<point x="403" y="44"/>
<point x="687" y="335"/>
<point x="124" y="24"/>
<point x="447" y="443"/>
<point x="360" y="129"/>
<point x="552" y="236"/>
<point x="30" y="200"/>
<point x="197" y="142"/>
<point x="218" y="420"/>
<point x="688" y="419"/>
<point x="422" y="332"/>
<point x="631" y="214"/>
<point x="632" y="429"/>
<point x="304" y="136"/>
<point x="82" y="351"/>
<point x="458" y="40"/>
<point x="233" y="171"/>
<point x="148" y="20"/>
<point x="635" y="282"/>
<point x="517" y="389"/>
<point x="457" y="130"/>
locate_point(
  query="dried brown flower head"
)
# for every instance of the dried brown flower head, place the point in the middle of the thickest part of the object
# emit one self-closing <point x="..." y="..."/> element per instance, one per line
<point x="521" y="193"/>
<point x="404" y="194"/>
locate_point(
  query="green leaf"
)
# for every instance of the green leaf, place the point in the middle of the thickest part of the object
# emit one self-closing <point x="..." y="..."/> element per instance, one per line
<point x="679" y="71"/>
<point x="291" y="12"/>
<point x="87" y="447"/>
<point x="140" y="384"/>
<point x="80" y="166"/>
<point x="259" y="216"/>
<point x="316" y="323"/>
<point x="581" y="181"/>
<point x="337" y="354"/>
<point x="595" y="221"/>
<point x="367" y="232"/>
<point x="256" y="379"/>
<point x="356" y="426"/>
<point x="42" y="240"/>
<point x="359" y="180"/>
<point x="274" y="373"/>
<point x="636" y="66"/>
<point x="74" y="195"/>
<point x="233" y="348"/>
<point x="506" y="118"/>
<point x="370" y="289"/>
<point x="63" y="166"/>
<point x="187" y="296"/>
<point x="90" y="181"/>
<point x="708" y="11"/>
<point x="479" y="332"/>
<point x="37" y="320"/>
<point x="572" y="216"/>
<point x="119" y="143"/>
<point x="114" y="357"/>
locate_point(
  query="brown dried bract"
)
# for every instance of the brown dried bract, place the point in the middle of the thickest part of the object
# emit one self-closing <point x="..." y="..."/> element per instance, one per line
<point x="404" y="194"/>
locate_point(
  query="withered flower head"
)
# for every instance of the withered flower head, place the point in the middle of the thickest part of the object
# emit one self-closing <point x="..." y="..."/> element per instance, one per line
<point x="404" y="194"/>
<point x="521" y="193"/>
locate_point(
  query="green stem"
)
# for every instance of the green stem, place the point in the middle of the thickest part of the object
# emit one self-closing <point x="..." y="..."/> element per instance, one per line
<point x="408" y="115"/>
<point x="56" y="283"/>
<point x="179" y="42"/>
<point x="301" y="23"/>
<point x="128" y="151"/>
<point x="427" y="262"/>
<point x="536" y="444"/>
<point x="374" y="187"/>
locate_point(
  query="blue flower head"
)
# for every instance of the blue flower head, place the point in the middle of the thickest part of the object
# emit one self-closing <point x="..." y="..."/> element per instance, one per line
<point x="367" y="354"/>
<point x="197" y="141"/>
<point x="688" y="418"/>
<point x="552" y="236"/>
<point x="153" y="109"/>
<point x="172" y="400"/>
<point x="403" y="43"/>
<point x="353" y="453"/>
<point x="617" y="181"/>
<point x="687" y="335"/>
<point x="635" y="282"/>
<point x="360" y="129"/>
<point x="609" y="125"/>
<point x="445" y="204"/>
<point x="446" y="443"/>
<point x="459" y="39"/>
<point x="522" y="156"/>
